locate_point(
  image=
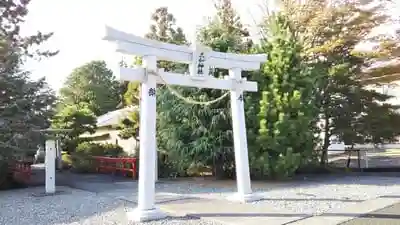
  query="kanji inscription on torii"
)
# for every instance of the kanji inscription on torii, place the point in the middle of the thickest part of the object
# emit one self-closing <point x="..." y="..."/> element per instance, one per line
<point x="152" y="92"/>
<point x="200" y="64"/>
<point x="240" y="97"/>
<point x="200" y="67"/>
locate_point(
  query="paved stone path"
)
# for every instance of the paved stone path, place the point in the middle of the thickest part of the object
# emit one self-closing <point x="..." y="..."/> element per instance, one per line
<point x="386" y="216"/>
<point x="389" y="158"/>
<point x="342" y="215"/>
<point x="328" y="200"/>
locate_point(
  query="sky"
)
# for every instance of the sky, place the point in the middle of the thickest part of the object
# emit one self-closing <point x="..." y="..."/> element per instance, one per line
<point x="77" y="26"/>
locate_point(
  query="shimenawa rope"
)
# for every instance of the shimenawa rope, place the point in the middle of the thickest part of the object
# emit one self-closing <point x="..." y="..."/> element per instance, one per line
<point x="180" y="96"/>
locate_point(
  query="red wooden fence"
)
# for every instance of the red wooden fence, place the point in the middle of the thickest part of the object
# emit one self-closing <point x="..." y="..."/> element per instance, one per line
<point x="124" y="165"/>
<point x="22" y="171"/>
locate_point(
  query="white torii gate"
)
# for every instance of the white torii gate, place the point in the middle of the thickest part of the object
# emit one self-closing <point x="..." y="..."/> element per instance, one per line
<point x="200" y="59"/>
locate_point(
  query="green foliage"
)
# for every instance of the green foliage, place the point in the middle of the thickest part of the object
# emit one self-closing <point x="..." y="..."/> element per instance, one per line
<point x="260" y="166"/>
<point x="380" y="124"/>
<point x="313" y="75"/>
<point x="132" y="94"/>
<point x="113" y="150"/>
<point x="194" y="135"/>
<point x="77" y="117"/>
<point x="25" y="104"/>
<point x="363" y="118"/>
<point x="25" y="108"/>
<point x="90" y="90"/>
<point x="197" y="134"/>
<point x="225" y="32"/>
<point x="129" y="126"/>
<point x="90" y="149"/>
<point x="82" y="160"/>
<point x="164" y="28"/>
<point x="94" y="84"/>
<point x="82" y="163"/>
<point x="66" y="160"/>
<point x="331" y="34"/>
<point x="287" y="106"/>
<point x="96" y="149"/>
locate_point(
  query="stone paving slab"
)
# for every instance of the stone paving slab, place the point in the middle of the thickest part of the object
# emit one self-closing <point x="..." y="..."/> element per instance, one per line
<point x="386" y="216"/>
<point x="232" y="213"/>
<point x="227" y="212"/>
<point x="351" y="211"/>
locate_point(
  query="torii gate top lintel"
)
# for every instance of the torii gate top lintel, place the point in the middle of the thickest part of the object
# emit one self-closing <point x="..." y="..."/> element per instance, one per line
<point x="134" y="45"/>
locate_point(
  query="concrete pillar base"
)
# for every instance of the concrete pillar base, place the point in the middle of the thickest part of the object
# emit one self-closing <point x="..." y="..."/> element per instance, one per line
<point x="237" y="197"/>
<point x="140" y="215"/>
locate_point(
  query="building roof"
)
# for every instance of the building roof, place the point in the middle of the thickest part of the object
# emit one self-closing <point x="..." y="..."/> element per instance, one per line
<point x="114" y="117"/>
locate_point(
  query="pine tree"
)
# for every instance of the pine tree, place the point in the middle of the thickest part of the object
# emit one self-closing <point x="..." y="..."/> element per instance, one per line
<point x="202" y="135"/>
<point x="331" y="33"/>
<point x="78" y="117"/>
<point x="163" y="29"/>
<point x="287" y="107"/>
<point x="91" y="90"/>
<point x="25" y="104"/>
<point x="92" y="83"/>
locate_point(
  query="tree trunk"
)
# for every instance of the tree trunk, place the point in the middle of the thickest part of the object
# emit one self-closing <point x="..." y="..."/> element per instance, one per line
<point x="324" y="155"/>
<point x="218" y="170"/>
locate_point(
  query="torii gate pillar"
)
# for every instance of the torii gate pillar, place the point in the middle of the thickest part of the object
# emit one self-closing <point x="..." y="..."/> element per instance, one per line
<point x="244" y="192"/>
<point x="146" y="209"/>
<point x="50" y="166"/>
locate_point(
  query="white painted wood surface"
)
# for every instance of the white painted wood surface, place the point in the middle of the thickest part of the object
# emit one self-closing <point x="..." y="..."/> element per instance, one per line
<point x="50" y="167"/>
<point x="134" y="45"/>
<point x="146" y="209"/>
<point x="147" y="138"/>
<point x="138" y="74"/>
<point x="244" y="193"/>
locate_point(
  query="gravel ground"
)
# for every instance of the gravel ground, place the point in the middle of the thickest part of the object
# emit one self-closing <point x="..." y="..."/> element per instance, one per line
<point x="70" y="207"/>
<point x="300" y="197"/>
<point x="73" y="206"/>
<point x="309" y="197"/>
